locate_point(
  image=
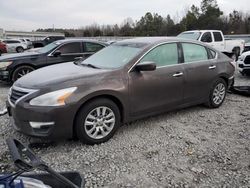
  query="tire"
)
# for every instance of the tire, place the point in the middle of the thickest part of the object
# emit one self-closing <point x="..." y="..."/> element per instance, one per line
<point x="0" y="52"/>
<point x="90" y="129"/>
<point x="236" y="53"/>
<point x="217" y="94"/>
<point x="20" y="72"/>
<point x="19" y="49"/>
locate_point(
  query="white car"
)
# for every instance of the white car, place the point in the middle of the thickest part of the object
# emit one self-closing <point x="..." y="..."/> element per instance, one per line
<point x="15" y="45"/>
<point x="243" y="63"/>
<point x="28" y="42"/>
<point x="215" y="38"/>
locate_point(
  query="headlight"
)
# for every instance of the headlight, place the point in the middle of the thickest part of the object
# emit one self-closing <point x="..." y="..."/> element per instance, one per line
<point x="4" y="65"/>
<point x="55" y="98"/>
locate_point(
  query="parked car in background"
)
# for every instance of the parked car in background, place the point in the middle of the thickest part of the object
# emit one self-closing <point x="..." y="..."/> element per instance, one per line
<point x="3" y="48"/>
<point x="125" y="81"/>
<point x="243" y="63"/>
<point x="14" y="66"/>
<point x="46" y="41"/>
<point x="27" y="42"/>
<point x="246" y="38"/>
<point x="15" y="45"/>
<point x="215" y="38"/>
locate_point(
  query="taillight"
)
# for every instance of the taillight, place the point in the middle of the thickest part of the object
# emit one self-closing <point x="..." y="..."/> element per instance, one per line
<point x="233" y="63"/>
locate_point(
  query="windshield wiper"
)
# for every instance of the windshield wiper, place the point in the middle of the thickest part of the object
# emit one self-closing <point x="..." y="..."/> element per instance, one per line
<point x="90" y="65"/>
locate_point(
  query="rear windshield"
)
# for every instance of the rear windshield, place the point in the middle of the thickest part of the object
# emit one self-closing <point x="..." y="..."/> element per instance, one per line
<point x="190" y="35"/>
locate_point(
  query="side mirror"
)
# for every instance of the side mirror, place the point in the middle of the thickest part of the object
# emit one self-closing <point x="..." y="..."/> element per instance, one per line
<point x="146" y="66"/>
<point x="57" y="53"/>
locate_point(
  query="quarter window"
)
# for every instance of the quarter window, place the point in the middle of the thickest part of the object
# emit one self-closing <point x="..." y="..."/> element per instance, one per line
<point x="217" y="36"/>
<point x="92" y="47"/>
<point x="194" y="52"/>
<point x="74" y="47"/>
<point x="166" y="54"/>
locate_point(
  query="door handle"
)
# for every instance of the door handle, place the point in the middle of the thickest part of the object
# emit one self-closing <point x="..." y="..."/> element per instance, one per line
<point x="212" y="67"/>
<point x="178" y="74"/>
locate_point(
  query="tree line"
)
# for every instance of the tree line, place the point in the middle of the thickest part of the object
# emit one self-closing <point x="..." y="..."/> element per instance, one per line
<point x="207" y="16"/>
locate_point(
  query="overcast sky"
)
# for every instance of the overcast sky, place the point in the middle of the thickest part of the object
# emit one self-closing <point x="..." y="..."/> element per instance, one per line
<point x="26" y="15"/>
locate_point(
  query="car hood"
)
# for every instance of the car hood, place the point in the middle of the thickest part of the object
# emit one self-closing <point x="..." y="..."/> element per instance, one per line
<point x="57" y="74"/>
<point x="18" y="56"/>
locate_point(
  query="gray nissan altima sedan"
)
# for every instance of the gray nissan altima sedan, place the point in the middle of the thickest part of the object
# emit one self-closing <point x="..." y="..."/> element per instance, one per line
<point x="131" y="79"/>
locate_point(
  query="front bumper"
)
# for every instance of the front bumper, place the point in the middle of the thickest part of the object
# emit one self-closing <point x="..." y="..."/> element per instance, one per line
<point x="243" y="68"/>
<point x="58" y="121"/>
<point x="4" y="75"/>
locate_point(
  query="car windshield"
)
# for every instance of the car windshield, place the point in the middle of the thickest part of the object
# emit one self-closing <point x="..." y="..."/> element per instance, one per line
<point x="114" y="56"/>
<point x="190" y="35"/>
<point x="49" y="47"/>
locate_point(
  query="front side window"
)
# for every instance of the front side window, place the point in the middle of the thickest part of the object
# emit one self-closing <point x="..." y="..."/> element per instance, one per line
<point x="217" y="37"/>
<point x="92" y="47"/>
<point x="194" y="52"/>
<point x="166" y="54"/>
<point x="206" y="37"/>
<point x="69" y="48"/>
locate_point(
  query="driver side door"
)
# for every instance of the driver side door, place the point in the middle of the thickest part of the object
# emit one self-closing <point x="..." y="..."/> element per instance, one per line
<point x="158" y="90"/>
<point x="69" y="52"/>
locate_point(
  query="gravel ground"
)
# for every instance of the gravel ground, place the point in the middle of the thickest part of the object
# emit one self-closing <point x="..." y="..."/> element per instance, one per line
<point x="193" y="147"/>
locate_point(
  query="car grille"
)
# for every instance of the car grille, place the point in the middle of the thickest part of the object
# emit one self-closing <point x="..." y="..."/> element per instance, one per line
<point x="16" y="94"/>
<point x="247" y="60"/>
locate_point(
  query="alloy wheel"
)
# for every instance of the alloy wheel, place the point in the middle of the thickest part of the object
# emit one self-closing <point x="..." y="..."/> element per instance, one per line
<point x="219" y="93"/>
<point x="99" y="122"/>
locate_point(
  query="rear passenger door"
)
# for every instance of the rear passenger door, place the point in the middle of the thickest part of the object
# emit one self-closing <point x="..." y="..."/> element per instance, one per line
<point x="218" y="41"/>
<point x="200" y="71"/>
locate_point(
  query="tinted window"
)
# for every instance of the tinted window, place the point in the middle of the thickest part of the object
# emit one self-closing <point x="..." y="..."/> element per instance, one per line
<point x="92" y="47"/>
<point x="11" y="41"/>
<point x="74" y="47"/>
<point x="166" y="54"/>
<point x="217" y="36"/>
<point x="206" y="37"/>
<point x="194" y="52"/>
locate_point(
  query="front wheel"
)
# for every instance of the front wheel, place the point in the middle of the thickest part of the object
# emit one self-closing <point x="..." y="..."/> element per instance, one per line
<point x="217" y="94"/>
<point x="19" y="49"/>
<point x="21" y="71"/>
<point x="97" y="121"/>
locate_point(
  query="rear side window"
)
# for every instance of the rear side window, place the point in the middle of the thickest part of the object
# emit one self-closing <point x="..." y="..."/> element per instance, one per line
<point x="217" y="36"/>
<point x="206" y="37"/>
<point x="92" y="47"/>
<point x="69" y="48"/>
<point x="194" y="52"/>
<point x="166" y="54"/>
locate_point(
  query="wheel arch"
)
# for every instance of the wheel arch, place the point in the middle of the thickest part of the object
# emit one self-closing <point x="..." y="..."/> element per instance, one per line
<point x="111" y="97"/>
<point x="20" y="65"/>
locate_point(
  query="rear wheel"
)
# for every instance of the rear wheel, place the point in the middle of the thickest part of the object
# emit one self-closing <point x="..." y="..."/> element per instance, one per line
<point x="97" y="121"/>
<point x="217" y="94"/>
<point x="19" y="49"/>
<point x="21" y="71"/>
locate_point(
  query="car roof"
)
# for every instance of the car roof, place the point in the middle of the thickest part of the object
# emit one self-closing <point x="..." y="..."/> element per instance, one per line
<point x="81" y="40"/>
<point x="201" y="31"/>
<point x="156" y="40"/>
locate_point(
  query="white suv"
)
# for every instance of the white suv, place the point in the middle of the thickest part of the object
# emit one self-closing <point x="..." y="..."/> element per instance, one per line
<point x="15" y="45"/>
<point x="243" y="64"/>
